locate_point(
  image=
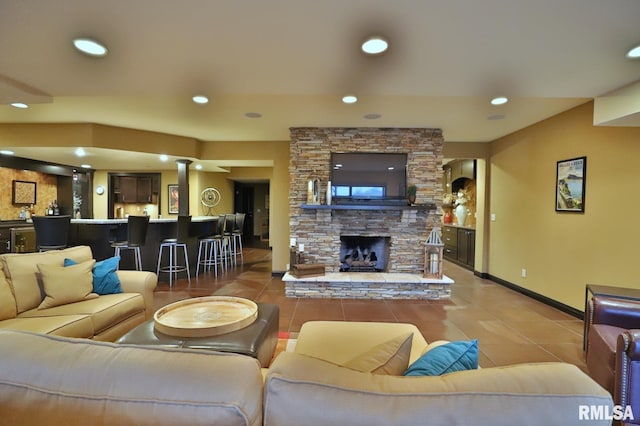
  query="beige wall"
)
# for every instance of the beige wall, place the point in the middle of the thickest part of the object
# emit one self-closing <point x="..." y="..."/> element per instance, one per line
<point x="562" y="252"/>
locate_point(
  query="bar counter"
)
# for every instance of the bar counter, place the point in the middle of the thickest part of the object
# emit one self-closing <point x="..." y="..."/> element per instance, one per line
<point x="99" y="233"/>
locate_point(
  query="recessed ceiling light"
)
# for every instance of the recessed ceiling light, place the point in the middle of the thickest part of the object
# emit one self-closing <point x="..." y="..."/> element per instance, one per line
<point x="200" y="99"/>
<point x="375" y="45"/>
<point x="496" y="117"/>
<point x="253" y="115"/>
<point x="85" y="166"/>
<point x="350" y="99"/>
<point x="90" y="47"/>
<point x="634" y="53"/>
<point x="372" y="116"/>
<point x="198" y="166"/>
<point x="19" y="105"/>
<point x="80" y="152"/>
<point x="6" y="152"/>
<point x="164" y="157"/>
<point x="500" y="100"/>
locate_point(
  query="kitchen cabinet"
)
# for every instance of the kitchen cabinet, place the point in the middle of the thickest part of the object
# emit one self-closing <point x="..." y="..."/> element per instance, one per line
<point x="459" y="245"/>
<point x="144" y="189"/>
<point x="459" y="169"/>
<point x="5" y="237"/>
<point x="134" y="189"/>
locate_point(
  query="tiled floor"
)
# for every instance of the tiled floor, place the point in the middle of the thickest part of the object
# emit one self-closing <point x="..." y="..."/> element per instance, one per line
<point x="510" y="327"/>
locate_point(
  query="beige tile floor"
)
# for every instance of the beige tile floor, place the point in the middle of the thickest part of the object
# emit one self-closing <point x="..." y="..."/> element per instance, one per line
<point x="510" y="327"/>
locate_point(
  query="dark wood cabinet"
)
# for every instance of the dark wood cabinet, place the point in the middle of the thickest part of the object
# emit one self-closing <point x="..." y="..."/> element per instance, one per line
<point x="459" y="245"/>
<point x="144" y="190"/>
<point x="5" y="236"/>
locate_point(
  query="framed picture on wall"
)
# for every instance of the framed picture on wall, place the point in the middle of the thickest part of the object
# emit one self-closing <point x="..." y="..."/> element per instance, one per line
<point x="570" y="184"/>
<point x="23" y="192"/>
<point x="174" y="199"/>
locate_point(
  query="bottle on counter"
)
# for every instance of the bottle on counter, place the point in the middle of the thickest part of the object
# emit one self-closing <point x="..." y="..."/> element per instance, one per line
<point x="50" y="209"/>
<point x="56" y="209"/>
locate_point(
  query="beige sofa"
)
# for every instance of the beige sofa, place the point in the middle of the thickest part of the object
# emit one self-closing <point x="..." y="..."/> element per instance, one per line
<point x="104" y="317"/>
<point x="60" y="381"/>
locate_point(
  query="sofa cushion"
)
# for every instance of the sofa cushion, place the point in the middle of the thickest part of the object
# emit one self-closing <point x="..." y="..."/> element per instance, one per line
<point x="61" y="381"/>
<point x="103" y="311"/>
<point x="105" y="277"/>
<point x="7" y="301"/>
<point x="79" y="326"/>
<point x="526" y="394"/>
<point x="66" y="285"/>
<point x="21" y="272"/>
<point x="447" y="358"/>
<point x="390" y="357"/>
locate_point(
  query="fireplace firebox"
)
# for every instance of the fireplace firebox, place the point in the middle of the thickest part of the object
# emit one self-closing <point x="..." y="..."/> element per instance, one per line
<point x="364" y="253"/>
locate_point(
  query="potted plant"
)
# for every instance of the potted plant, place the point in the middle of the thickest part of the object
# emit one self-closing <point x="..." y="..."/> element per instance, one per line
<point x="411" y="194"/>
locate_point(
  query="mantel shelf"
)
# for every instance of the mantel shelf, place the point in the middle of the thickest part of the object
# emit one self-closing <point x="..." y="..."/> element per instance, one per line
<point x="419" y="207"/>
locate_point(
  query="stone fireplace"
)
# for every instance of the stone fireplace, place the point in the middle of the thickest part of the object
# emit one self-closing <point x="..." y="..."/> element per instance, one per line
<point x="320" y="228"/>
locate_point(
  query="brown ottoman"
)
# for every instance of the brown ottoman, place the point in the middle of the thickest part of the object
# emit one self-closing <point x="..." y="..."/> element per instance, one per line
<point x="257" y="340"/>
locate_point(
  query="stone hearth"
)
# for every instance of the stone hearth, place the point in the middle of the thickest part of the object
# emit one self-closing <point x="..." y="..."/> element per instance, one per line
<point x="367" y="285"/>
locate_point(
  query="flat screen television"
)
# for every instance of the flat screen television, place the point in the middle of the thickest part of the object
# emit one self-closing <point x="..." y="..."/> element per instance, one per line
<point x="368" y="176"/>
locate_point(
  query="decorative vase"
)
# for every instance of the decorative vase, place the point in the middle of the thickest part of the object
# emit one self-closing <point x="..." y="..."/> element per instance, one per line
<point x="411" y="199"/>
<point x="447" y="217"/>
<point x="461" y="214"/>
<point x="329" y="193"/>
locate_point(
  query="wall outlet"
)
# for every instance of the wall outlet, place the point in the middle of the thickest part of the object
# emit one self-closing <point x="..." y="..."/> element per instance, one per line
<point x="493" y="217"/>
<point x="523" y="273"/>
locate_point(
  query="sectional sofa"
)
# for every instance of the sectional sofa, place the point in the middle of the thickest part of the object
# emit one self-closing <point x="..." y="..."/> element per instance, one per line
<point x="340" y="373"/>
<point x="38" y="294"/>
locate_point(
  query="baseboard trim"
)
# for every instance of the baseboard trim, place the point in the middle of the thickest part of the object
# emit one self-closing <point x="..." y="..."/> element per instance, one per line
<point x="539" y="297"/>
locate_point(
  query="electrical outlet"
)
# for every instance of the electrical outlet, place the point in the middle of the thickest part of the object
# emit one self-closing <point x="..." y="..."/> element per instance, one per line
<point x="524" y="273"/>
<point x="493" y="217"/>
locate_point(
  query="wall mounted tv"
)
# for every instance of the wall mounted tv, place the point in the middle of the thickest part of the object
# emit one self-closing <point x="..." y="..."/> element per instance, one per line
<point x="368" y="176"/>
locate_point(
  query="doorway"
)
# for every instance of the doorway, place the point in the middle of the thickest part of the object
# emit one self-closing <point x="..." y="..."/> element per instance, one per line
<point x="252" y="199"/>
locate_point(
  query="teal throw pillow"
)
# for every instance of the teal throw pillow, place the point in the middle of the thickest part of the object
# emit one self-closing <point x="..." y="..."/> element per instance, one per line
<point x="105" y="278"/>
<point x="447" y="358"/>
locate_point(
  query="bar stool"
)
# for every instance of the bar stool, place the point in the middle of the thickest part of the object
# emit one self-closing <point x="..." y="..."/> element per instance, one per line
<point x="172" y="245"/>
<point x="211" y="250"/>
<point x="136" y="237"/>
<point x="237" y="235"/>
<point x="52" y="232"/>
<point x="227" y="235"/>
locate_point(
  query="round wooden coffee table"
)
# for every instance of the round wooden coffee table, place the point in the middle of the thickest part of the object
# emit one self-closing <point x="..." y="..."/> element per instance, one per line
<point x="205" y="316"/>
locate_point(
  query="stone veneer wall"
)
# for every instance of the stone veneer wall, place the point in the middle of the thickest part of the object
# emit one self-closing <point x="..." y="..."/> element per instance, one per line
<point x="320" y="230"/>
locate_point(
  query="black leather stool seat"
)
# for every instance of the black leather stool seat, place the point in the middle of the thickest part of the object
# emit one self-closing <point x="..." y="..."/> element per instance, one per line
<point x="257" y="340"/>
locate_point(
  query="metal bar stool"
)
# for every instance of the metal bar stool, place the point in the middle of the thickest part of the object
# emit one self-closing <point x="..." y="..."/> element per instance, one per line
<point x="211" y="250"/>
<point x="172" y="244"/>
<point x="237" y="235"/>
<point x="52" y="232"/>
<point x="227" y="234"/>
<point x="136" y="237"/>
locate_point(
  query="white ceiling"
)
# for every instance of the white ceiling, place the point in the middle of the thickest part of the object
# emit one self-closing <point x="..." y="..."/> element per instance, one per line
<point x="292" y="60"/>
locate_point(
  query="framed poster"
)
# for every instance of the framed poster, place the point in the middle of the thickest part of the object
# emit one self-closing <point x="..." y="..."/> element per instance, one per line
<point x="174" y="199"/>
<point x="570" y="184"/>
<point x="23" y="192"/>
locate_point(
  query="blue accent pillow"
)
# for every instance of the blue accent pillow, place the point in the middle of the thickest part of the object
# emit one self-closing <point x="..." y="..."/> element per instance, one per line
<point x="447" y="358"/>
<point x="105" y="278"/>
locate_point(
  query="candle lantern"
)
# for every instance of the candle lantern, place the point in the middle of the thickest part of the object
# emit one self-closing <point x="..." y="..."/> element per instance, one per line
<point x="433" y="251"/>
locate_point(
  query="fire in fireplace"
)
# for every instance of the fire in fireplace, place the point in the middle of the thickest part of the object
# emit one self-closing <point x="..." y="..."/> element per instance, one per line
<point x="364" y="254"/>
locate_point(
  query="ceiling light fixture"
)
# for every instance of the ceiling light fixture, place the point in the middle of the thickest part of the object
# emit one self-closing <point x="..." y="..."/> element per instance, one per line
<point x="253" y="115"/>
<point x="198" y="166"/>
<point x="80" y="152"/>
<point x="350" y="99"/>
<point x="6" y="152"/>
<point x="90" y="47"/>
<point x="375" y="45"/>
<point x="164" y="157"/>
<point x="85" y="166"/>
<point x="372" y="116"/>
<point x="200" y="99"/>
<point x="19" y="105"/>
<point x="634" y="53"/>
<point x="500" y="100"/>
